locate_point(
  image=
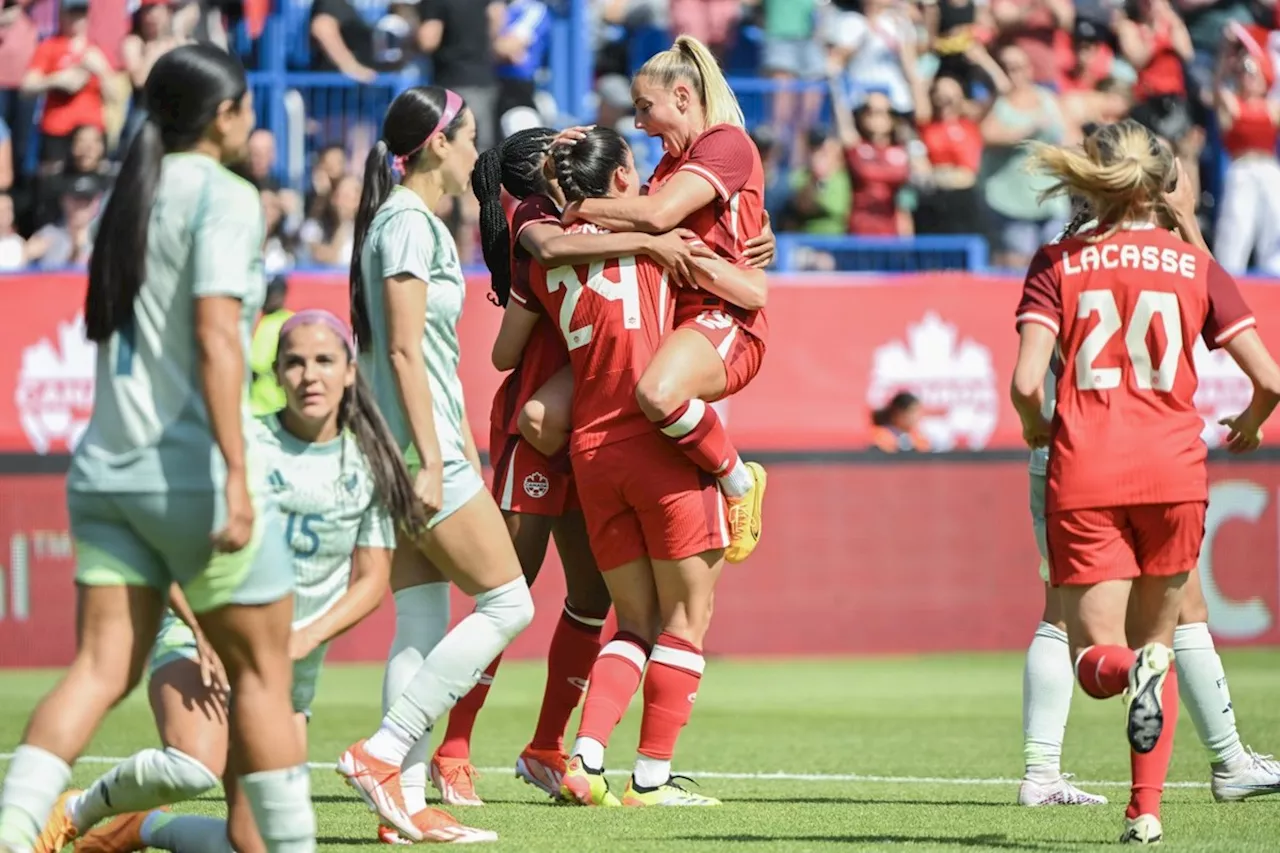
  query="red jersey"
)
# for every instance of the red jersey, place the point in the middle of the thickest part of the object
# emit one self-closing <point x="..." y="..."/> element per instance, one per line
<point x="63" y="113"/>
<point x="1126" y="311"/>
<point x="1163" y="74"/>
<point x="727" y="159"/>
<point x="544" y="353"/>
<point x="1252" y="131"/>
<point x="611" y="315"/>
<point x="878" y="172"/>
<point x="953" y="142"/>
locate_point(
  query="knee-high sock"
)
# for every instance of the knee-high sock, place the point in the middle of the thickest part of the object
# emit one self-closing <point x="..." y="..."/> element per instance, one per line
<point x="615" y="677"/>
<point x="143" y="781"/>
<point x="1047" y="682"/>
<point x="462" y="716"/>
<point x="33" y="784"/>
<point x="185" y="833"/>
<point x="670" y="686"/>
<point x="281" y="803"/>
<point x="697" y="431"/>
<point x="1203" y="684"/>
<point x="574" y="647"/>
<point x="422" y="618"/>
<point x="1149" y="770"/>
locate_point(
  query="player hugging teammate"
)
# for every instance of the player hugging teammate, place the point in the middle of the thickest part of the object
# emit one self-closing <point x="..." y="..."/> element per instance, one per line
<point x="1126" y="480"/>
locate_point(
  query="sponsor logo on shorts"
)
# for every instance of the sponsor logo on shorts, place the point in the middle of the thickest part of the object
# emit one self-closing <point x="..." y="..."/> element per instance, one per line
<point x="953" y="377"/>
<point x="54" y="396"/>
<point x="717" y="320"/>
<point x="536" y="485"/>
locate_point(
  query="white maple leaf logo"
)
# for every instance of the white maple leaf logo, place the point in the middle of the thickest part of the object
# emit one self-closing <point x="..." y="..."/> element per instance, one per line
<point x="54" y="393"/>
<point x="1223" y="390"/>
<point x="953" y="377"/>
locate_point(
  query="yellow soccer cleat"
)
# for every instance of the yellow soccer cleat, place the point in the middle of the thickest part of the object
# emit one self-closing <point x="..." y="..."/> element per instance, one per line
<point x="58" y="830"/>
<point x="585" y="786"/>
<point x="745" y="517"/>
<point x="666" y="794"/>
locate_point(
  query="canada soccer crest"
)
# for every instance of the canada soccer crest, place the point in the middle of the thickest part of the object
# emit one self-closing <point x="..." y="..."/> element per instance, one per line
<point x="54" y="393"/>
<point x="953" y="377"/>
<point x="536" y="485"/>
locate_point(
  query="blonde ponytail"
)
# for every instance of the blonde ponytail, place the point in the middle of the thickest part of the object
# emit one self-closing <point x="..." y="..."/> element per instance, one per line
<point x="691" y="60"/>
<point x="1122" y="172"/>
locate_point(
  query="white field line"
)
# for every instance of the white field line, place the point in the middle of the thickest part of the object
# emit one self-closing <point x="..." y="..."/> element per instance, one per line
<point x="775" y="776"/>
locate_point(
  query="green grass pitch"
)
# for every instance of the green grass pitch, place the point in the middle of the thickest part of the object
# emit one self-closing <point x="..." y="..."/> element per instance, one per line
<point x="921" y="753"/>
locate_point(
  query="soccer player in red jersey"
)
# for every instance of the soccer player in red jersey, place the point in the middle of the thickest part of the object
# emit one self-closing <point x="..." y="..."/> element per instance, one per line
<point x="657" y="523"/>
<point x="1127" y="483"/>
<point x="710" y="181"/>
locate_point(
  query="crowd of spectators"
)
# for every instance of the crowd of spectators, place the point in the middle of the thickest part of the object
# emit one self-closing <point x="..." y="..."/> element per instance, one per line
<point x="890" y="117"/>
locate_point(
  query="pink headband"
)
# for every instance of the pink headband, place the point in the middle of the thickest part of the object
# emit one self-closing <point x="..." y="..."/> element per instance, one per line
<point x="452" y="106"/>
<point x="320" y="317"/>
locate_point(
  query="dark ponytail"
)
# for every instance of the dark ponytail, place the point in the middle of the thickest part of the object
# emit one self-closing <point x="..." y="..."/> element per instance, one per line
<point x="584" y="169"/>
<point x="391" y="480"/>
<point x="183" y="93"/>
<point x="410" y="119"/>
<point x="516" y="166"/>
<point x="378" y="182"/>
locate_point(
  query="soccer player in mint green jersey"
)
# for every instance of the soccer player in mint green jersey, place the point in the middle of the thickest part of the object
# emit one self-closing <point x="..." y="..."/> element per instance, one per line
<point x="163" y="488"/>
<point x="407" y="292"/>
<point x="1237" y="772"/>
<point x="342" y="485"/>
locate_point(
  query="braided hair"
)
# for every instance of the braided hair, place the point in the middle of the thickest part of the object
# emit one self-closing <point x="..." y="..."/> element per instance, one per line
<point x="516" y="166"/>
<point x="584" y="169"/>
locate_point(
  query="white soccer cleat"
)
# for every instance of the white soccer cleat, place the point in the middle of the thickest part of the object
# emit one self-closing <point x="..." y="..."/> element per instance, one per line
<point x="1059" y="792"/>
<point x="1143" y="829"/>
<point x="1255" y="776"/>
<point x="1145" y="696"/>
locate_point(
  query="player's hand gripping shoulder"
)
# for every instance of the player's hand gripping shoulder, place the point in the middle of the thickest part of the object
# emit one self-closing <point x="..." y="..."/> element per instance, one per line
<point x="761" y="250"/>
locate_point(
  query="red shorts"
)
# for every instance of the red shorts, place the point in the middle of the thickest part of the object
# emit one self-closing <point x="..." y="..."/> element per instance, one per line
<point x="525" y="481"/>
<point x="743" y="352"/>
<point x="641" y="496"/>
<point x="1088" y="546"/>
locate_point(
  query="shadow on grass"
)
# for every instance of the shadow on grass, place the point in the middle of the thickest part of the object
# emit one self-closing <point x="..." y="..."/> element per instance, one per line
<point x="981" y="842"/>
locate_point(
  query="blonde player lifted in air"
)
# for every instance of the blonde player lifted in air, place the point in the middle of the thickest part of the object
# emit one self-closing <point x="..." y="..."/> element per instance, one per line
<point x="163" y="487"/>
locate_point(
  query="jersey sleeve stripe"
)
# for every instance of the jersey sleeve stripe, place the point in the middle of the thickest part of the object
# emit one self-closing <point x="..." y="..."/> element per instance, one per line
<point x="1033" y="317"/>
<point x="709" y="176"/>
<point x="1235" y="329"/>
<point x="544" y="220"/>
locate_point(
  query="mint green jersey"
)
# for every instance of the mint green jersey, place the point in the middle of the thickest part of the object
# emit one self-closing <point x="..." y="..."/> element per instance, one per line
<point x="150" y="431"/>
<point x="405" y="238"/>
<point x="326" y="494"/>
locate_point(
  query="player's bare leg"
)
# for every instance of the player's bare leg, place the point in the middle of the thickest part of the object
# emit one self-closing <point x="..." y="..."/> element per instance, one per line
<point x="686" y="594"/>
<point x="1238" y="772"/>
<point x="615" y="677"/>
<point x="191" y="718"/>
<point x="115" y="626"/>
<point x="685" y="372"/>
<point x="1106" y="666"/>
<point x="471" y="547"/>
<point x="451" y="770"/>
<point x="574" y="648"/>
<point x="1047" y="683"/>
<point x="544" y="419"/>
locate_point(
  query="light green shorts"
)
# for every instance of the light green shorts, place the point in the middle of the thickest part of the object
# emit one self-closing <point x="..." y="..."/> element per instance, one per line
<point x="1037" y="522"/>
<point x="175" y="641"/>
<point x="156" y="538"/>
<point x="461" y="483"/>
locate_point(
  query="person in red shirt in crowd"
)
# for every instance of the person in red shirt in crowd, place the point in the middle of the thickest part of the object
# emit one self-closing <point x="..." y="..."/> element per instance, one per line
<point x="952" y="137"/>
<point x="657" y="523"/>
<point x="710" y="181"/>
<point x="1249" y="207"/>
<point x="1127" y="484"/>
<point x="70" y="71"/>
<point x="879" y="166"/>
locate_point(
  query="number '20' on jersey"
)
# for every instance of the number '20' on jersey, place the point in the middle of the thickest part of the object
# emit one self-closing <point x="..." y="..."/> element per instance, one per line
<point x="612" y="315"/>
<point x="1126" y="310"/>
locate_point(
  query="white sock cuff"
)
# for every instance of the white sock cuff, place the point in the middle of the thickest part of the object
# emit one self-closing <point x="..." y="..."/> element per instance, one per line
<point x="32" y="756"/>
<point x="1193" y="637"/>
<point x="510" y="606"/>
<point x="586" y="621"/>
<point x="678" y="659"/>
<point x="191" y="774"/>
<point x="1050" y="631"/>
<point x="684" y="424"/>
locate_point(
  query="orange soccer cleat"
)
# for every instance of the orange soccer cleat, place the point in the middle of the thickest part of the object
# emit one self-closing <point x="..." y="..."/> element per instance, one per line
<point x="543" y="769"/>
<point x="438" y="827"/>
<point x="455" y="779"/>
<point x="378" y="784"/>
<point x="121" y="834"/>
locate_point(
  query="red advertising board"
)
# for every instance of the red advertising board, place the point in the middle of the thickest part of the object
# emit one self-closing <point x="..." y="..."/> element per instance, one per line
<point x="913" y="556"/>
<point x="839" y="347"/>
